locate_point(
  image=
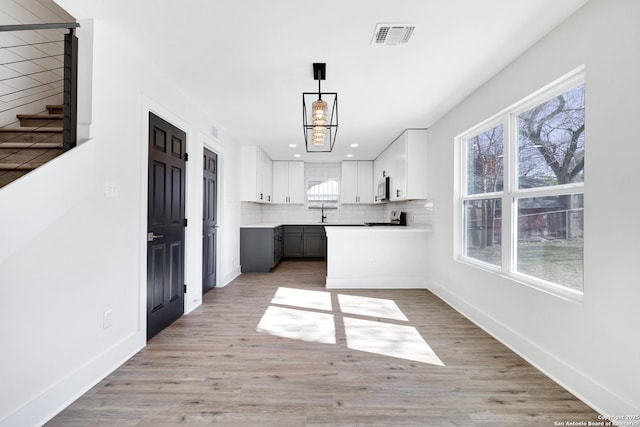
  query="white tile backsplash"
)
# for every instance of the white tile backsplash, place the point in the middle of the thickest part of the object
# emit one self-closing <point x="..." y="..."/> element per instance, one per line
<point x="356" y="214"/>
<point x="419" y="213"/>
<point x="250" y="213"/>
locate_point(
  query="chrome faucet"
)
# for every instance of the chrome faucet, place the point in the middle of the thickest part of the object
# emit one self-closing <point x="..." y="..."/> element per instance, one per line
<point x="323" y="215"/>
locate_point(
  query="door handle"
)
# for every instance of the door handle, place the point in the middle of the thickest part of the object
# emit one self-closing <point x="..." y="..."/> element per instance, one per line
<point x="151" y="237"/>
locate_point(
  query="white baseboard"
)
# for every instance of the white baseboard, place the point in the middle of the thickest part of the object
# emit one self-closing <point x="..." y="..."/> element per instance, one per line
<point x="376" y="283"/>
<point x="60" y="395"/>
<point x="230" y="277"/>
<point x="576" y="382"/>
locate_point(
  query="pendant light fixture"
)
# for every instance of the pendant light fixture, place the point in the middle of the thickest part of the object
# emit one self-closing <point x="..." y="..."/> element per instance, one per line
<point x="320" y="132"/>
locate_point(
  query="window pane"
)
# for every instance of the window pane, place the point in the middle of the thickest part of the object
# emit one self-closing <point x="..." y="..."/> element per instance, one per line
<point x="551" y="141"/>
<point x="323" y="193"/>
<point x="550" y="239"/>
<point x="483" y="224"/>
<point x="485" y="162"/>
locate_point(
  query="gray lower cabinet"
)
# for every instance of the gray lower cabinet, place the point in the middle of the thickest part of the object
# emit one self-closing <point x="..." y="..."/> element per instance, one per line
<point x="314" y="242"/>
<point x="260" y="249"/>
<point x="278" y="243"/>
<point x="293" y="246"/>
<point x="305" y="241"/>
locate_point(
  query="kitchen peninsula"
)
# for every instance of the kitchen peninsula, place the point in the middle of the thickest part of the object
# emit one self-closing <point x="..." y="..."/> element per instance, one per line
<point x="376" y="257"/>
<point x="382" y="257"/>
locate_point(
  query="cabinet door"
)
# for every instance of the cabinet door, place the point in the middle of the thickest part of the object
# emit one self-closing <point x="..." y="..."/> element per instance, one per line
<point x="349" y="182"/>
<point x="256" y="249"/>
<point x="277" y="245"/>
<point x="248" y="178"/>
<point x="256" y="175"/>
<point x="417" y="164"/>
<point x="293" y="243"/>
<point x="267" y="178"/>
<point x="313" y="245"/>
<point x="314" y="241"/>
<point x="365" y="182"/>
<point x="398" y="169"/>
<point x="296" y="182"/>
<point x="260" y="172"/>
<point x="280" y="182"/>
<point x="380" y="170"/>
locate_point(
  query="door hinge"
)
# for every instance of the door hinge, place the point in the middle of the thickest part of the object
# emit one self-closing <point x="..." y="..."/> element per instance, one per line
<point x="186" y="157"/>
<point x="185" y="289"/>
<point x="185" y="222"/>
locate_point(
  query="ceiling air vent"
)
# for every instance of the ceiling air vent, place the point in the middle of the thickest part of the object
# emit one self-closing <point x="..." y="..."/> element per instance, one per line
<point x="392" y="34"/>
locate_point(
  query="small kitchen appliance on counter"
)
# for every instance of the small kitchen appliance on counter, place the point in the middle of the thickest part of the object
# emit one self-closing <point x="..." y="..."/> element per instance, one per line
<point x="397" y="218"/>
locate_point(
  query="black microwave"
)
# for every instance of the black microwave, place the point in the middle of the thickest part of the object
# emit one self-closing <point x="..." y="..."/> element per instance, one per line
<point x="383" y="189"/>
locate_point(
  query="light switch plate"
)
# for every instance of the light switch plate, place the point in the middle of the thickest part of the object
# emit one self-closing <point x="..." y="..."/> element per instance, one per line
<point x="107" y="319"/>
<point x="111" y="189"/>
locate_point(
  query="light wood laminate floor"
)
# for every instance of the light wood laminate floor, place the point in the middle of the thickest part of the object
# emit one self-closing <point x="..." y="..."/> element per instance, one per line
<point x="212" y="367"/>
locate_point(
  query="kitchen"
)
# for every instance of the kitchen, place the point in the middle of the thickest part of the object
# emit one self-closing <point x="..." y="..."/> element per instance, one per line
<point x="292" y="224"/>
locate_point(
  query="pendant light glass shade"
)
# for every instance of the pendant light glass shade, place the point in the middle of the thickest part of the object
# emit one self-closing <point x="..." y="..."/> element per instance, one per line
<point x="319" y="114"/>
<point x="319" y="122"/>
<point x="319" y="109"/>
<point x="318" y="136"/>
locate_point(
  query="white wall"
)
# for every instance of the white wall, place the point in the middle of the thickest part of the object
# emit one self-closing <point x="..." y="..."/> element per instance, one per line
<point x="591" y="347"/>
<point x="69" y="252"/>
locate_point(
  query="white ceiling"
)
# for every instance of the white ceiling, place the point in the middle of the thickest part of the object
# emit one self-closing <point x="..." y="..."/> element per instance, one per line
<point x="247" y="62"/>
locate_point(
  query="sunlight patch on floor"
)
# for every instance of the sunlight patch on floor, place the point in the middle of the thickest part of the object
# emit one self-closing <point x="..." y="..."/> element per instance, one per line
<point x="371" y="336"/>
<point x="303" y="298"/>
<point x="389" y="339"/>
<point x="298" y="324"/>
<point x="371" y="307"/>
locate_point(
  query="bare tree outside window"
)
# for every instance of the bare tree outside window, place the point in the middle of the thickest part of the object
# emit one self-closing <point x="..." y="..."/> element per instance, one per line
<point x="551" y="141"/>
<point x="546" y="151"/>
<point x="486" y="161"/>
<point x="485" y="174"/>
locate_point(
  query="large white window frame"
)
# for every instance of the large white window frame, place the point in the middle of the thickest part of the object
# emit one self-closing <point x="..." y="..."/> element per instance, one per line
<point x="511" y="192"/>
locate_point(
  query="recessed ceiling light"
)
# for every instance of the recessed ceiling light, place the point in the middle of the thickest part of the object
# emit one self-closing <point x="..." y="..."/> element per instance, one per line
<point x="292" y="145"/>
<point x="354" y="145"/>
<point x="349" y="155"/>
<point x="296" y="155"/>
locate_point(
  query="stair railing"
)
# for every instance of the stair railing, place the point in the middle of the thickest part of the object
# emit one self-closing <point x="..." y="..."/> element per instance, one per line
<point x="38" y="63"/>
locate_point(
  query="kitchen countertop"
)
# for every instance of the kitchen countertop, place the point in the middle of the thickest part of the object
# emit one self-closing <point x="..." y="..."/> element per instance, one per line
<point x="383" y="228"/>
<point x="278" y="224"/>
<point x="342" y="226"/>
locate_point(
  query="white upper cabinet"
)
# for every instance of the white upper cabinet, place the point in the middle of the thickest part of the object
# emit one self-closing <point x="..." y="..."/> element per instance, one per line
<point x="280" y="182"/>
<point x="256" y="182"/>
<point x="405" y="163"/>
<point x="288" y="182"/>
<point x="380" y="170"/>
<point x="357" y="182"/>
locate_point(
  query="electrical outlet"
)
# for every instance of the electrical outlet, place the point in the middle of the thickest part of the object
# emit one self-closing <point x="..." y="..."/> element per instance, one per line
<point x="107" y="319"/>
